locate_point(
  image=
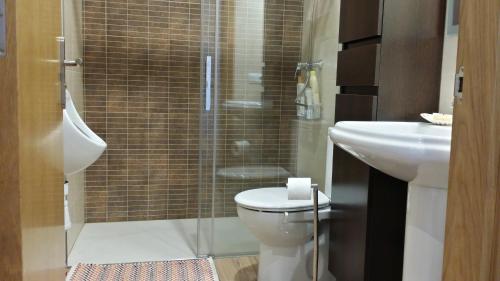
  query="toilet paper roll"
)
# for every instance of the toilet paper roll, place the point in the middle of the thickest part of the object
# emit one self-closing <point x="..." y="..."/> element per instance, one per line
<point x="299" y="188"/>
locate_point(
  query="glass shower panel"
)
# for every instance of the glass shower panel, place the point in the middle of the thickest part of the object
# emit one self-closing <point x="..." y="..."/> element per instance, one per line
<point x="207" y="151"/>
<point x="258" y="44"/>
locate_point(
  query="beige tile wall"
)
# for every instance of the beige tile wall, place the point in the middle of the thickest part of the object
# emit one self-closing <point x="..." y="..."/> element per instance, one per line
<point x="312" y="135"/>
<point x="450" y="49"/>
<point x="74" y="80"/>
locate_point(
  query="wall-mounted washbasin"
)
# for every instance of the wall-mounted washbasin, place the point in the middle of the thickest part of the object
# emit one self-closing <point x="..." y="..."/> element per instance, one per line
<point x="418" y="153"/>
<point x="410" y="151"/>
<point x="82" y="146"/>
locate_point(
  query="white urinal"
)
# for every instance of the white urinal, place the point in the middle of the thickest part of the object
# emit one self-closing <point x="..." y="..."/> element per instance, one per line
<point x="82" y="147"/>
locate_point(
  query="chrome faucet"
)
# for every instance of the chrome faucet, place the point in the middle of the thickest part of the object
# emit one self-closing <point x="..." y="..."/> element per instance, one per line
<point x="308" y="66"/>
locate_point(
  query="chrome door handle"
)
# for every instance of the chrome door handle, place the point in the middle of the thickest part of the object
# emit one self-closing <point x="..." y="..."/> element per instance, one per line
<point x="75" y="62"/>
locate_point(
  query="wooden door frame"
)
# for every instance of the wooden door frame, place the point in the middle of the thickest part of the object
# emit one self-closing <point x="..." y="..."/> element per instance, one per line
<point x="472" y="242"/>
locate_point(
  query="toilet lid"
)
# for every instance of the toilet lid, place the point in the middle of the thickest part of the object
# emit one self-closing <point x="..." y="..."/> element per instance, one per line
<point x="275" y="199"/>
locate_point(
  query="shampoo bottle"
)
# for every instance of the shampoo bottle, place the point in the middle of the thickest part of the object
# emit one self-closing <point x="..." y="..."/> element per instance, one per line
<point x="301" y="98"/>
<point x="316" y="106"/>
<point x="309" y="102"/>
<point x="315" y="87"/>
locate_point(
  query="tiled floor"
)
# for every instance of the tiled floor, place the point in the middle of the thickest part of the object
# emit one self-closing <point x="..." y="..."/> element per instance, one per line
<point x="237" y="269"/>
<point x="141" y="241"/>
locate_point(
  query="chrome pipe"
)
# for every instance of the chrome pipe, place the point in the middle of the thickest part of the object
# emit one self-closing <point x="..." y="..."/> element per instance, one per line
<point x="315" y="232"/>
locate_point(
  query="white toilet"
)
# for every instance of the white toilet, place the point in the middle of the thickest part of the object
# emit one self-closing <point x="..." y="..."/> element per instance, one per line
<point x="285" y="231"/>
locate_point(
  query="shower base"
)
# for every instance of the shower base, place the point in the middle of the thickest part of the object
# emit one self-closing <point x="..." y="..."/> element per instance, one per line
<point x="142" y="241"/>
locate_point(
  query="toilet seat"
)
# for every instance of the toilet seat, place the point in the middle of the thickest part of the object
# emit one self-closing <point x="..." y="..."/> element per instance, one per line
<point x="275" y="199"/>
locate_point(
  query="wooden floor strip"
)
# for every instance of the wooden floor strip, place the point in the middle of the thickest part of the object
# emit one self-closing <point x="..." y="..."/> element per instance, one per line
<point x="237" y="269"/>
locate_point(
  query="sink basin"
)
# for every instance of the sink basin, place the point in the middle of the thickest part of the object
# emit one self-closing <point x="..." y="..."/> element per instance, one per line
<point x="418" y="153"/>
<point x="411" y="151"/>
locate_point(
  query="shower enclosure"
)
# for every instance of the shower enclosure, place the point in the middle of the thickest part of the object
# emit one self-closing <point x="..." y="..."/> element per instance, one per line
<point x="196" y="101"/>
<point x="249" y="53"/>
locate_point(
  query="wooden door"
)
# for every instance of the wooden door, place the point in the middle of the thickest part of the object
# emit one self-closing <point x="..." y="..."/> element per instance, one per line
<point x="31" y="178"/>
<point x="472" y="244"/>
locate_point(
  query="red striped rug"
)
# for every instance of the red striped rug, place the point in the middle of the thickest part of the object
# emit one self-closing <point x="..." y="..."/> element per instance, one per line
<point x="177" y="270"/>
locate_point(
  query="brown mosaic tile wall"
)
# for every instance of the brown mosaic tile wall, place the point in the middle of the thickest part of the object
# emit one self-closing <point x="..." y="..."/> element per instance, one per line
<point x="142" y="95"/>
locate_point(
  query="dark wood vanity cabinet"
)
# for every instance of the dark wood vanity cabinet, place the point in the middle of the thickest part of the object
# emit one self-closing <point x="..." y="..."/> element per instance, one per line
<point x="360" y="19"/>
<point x="389" y="69"/>
<point x="359" y="66"/>
<point x="394" y="49"/>
<point x="367" y="233"/>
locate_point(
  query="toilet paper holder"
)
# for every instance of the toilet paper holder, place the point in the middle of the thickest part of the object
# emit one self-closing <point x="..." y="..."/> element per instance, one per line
<point x="315" y="189"/>
<point x="326" y="214"/>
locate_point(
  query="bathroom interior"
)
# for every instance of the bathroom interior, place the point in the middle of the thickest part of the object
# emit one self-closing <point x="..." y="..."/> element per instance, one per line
<point x="174" y="160"/>
<point x="164" y="187"/>
<point x="241" y="140"/>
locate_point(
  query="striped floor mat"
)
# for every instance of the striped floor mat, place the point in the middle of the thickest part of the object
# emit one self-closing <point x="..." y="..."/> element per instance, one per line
<point x="177" y="270"/>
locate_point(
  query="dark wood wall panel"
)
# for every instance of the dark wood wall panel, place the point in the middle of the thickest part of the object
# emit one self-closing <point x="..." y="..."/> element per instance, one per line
<point x="411" y="58"/>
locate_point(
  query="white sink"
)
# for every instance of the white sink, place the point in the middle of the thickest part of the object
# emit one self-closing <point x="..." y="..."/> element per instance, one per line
<point x="418" y="153"/>
<point x="410" y="151"/>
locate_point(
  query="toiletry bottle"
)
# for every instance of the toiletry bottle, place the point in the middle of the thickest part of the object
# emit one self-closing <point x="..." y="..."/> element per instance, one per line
<point x="309" y="103"/>
<point x="315" y="87"/>
<point x="316" y="107"/>
<point x="301" y="110"/>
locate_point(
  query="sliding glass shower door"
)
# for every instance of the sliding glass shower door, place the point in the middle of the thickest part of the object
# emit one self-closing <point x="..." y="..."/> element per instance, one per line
<point x="247" y="135"/>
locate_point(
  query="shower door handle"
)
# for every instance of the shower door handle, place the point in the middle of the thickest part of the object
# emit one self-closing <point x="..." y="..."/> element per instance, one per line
<point x="208" y="83"/>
